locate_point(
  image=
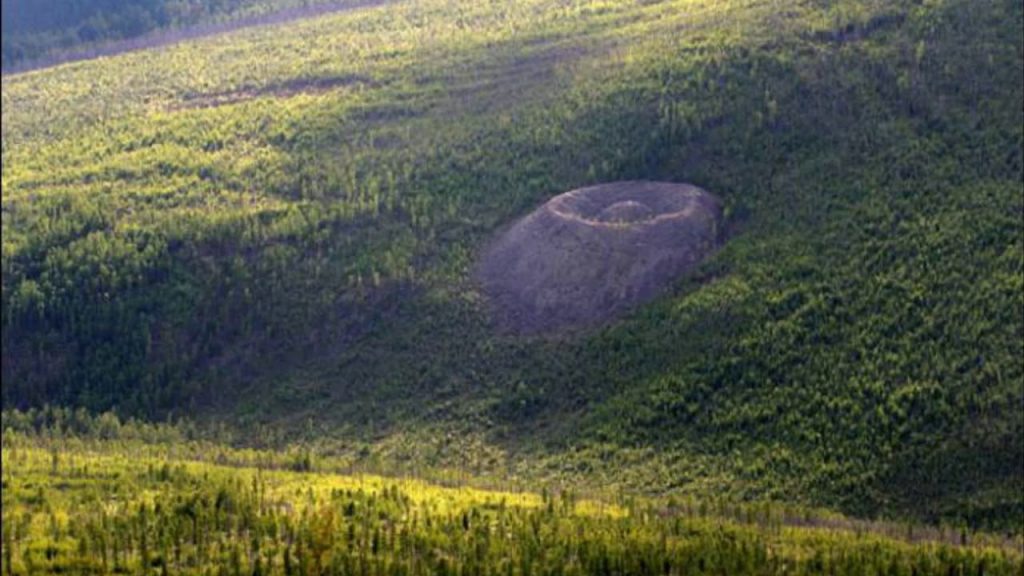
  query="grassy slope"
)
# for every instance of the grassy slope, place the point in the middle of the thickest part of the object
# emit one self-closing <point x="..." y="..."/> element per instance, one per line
<point x="299" y="256"/>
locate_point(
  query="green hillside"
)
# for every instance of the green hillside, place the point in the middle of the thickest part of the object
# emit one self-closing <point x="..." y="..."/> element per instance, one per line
<point x="271" y="233"/>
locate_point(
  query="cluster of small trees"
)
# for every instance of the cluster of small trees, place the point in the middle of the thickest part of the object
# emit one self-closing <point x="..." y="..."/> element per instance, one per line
<point x="97" y="495"/>
<point x="106" y="511"/>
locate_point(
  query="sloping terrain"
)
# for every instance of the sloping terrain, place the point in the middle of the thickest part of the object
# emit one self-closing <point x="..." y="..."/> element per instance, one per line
<point x="298" y="263"/>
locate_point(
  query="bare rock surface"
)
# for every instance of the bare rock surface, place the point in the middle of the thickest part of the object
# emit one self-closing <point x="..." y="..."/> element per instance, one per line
<point x="591" y="254"/>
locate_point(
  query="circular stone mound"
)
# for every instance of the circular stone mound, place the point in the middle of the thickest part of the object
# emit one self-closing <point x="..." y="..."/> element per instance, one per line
<point x="589" y="255"/>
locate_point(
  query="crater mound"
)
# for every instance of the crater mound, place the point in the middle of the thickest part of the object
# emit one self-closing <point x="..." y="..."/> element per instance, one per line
<point x="589" y="255"/>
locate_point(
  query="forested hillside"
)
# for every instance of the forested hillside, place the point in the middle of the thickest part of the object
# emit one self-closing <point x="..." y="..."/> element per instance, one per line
<point x="273" y="230"/>
<point x="38" y="32"/>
